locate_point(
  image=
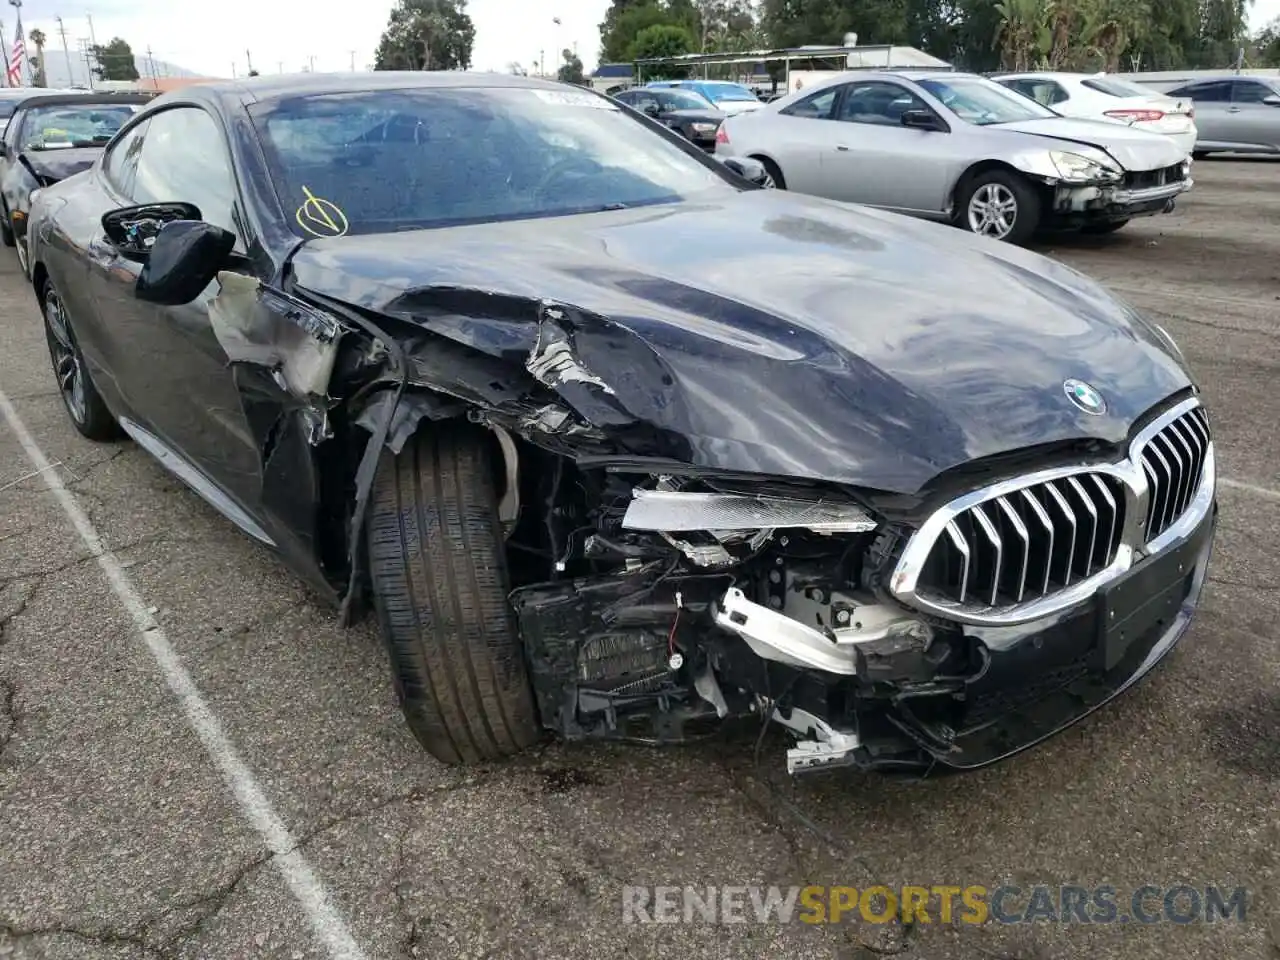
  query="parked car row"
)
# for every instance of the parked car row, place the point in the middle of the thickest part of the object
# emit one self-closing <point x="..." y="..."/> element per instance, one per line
<point x="49" y="136"/>
<point x="616" y="443"/>
<point x="960" y="148"/>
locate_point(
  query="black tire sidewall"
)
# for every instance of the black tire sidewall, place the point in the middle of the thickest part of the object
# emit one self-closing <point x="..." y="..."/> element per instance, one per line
<point x="771" y="168"/>
<point x="1026" y="220"/>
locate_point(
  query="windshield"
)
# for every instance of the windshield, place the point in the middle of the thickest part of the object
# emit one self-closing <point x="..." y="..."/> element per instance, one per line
<point x="728" y="91"/>
<point x="984" y="102"/>
<point x="78" y="125"/>
<point x="375" y="162"/>
<point x="683" y="100"/>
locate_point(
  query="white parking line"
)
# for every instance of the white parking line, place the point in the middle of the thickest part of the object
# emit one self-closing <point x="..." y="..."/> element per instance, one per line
<point x="1264" y="492"/>
<point x="328" y="925"/>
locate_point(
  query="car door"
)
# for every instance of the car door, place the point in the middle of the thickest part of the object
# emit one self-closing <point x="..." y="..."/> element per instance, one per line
<point x="876" y="160"/>
<point x="1258" y="122"/>
<point x="178" y="380"/>
<point x="12" y="175"/>
<point x="1215" y="123"/>
<point x="798" y="136"/>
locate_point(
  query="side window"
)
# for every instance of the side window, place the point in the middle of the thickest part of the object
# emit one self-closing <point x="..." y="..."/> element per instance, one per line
<point x="184" y="158"/>
<point x="121" y="161"/>
<point x="878" y="103"/>
<point x="1217" y="92"/>
<point x="1056" y="93"/>
<point x="1249" y="91"/>
<point x="816" y="106"/>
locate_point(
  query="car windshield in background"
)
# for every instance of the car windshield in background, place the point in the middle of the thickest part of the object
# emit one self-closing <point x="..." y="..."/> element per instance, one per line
<point x="88" y="125"/>
<point x="984" y="102"/>
<point x="730" y="92"/>
<point x="376" y="162"/>
<point x="685" y="100"/>
<point x="1117" y="88"/>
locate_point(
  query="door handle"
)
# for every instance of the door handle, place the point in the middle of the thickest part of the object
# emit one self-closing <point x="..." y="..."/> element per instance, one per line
<point x="1233" y="109"/>
<point x="842" y="148"/>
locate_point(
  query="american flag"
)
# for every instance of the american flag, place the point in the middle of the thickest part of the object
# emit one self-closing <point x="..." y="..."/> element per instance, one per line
<point x="16" y="56"/>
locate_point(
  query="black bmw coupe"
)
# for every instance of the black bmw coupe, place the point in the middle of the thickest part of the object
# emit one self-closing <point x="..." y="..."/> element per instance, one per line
<point x="617" y="444"/>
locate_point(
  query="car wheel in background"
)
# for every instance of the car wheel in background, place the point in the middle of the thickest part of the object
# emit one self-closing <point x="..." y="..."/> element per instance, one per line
<point x="6" y="228"/>
<point x="773" y="179"/>
<point x="1103" y="228"/>
<point x="24" y="260"/>
<point x="1199" y="154"/>
<point x="438" y="564"/>
<point x="88" y="412"/>
<point x="998" y="204"/>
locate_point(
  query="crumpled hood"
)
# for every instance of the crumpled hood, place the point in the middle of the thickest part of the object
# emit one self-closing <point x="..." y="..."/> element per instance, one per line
<point x="1135" y="150"/>
<point x="57" y="165"/>
<point x="783" y="334"/>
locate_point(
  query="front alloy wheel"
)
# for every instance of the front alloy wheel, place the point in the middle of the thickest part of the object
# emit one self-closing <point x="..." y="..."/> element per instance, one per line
<point x="993" y="211"/>
<point x="999" y="204"/>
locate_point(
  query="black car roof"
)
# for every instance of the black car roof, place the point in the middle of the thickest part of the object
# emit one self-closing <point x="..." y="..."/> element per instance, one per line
<point x="61" y="99"/>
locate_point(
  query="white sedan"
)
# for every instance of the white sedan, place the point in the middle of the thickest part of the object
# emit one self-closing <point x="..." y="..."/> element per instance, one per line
<point x="1101" y="96"/>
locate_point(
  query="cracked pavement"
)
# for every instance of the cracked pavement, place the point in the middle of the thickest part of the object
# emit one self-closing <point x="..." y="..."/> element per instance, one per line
<point x="119" y="839"/>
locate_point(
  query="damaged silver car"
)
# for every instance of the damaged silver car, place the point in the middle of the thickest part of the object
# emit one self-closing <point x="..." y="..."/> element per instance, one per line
<point x="616" y="444"/>
<point x="961" y="149"/>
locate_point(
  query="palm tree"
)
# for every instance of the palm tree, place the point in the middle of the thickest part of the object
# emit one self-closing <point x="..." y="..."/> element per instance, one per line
<point x="38" y="40"/>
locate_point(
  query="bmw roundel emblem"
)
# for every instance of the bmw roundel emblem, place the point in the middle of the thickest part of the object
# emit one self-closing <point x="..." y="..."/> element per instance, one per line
<point x="1085" y="397"/>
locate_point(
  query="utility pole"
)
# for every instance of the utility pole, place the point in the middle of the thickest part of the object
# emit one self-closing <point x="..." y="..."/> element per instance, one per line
<point x="86" y="51"/>
<point x="353" y="60"/>
<point x="151" y="63"/>
<point x="18" y="38"/>
<point x="93" y="46"/>
<point x="233" y="69"/>
<point x="248" y="61"/>
<point x="312" y="60"/>
<point x="66" y="54"/>
<point x="280" y="64"/>
<point x="4" y="51"/>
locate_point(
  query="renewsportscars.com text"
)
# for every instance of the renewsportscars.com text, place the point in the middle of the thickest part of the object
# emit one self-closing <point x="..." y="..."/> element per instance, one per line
<point x="937" y="903"/>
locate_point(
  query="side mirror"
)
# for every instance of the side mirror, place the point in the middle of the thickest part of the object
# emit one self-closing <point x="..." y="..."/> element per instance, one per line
<point x="132" y="230"/>
<point x="919" y="120"/>
<point x="1272" y="100"/>
<point x="746" y="168"/>
<point x="184" y="259"/>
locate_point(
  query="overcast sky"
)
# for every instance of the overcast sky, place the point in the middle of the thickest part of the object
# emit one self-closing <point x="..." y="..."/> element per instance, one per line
<point x="285" y="34"/>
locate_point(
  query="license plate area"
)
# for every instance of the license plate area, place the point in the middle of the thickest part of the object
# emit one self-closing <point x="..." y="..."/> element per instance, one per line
<point x="1145" y="599"/>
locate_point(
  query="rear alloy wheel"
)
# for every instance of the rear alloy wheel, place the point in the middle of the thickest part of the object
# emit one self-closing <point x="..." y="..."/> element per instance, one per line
<point x="773" y="179"/>
<point x="88" y="412"/>
<point x="437" y="561"/>
<point x="1000" y="205"/>
<point x="24" y="260"/>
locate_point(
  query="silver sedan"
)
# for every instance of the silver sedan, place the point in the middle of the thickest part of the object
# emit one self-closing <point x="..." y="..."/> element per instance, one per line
<point x="959" y="148"/>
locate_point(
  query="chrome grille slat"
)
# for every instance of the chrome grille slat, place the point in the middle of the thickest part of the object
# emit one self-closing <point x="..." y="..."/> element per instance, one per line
<point x="989" y="529"/>
<point x="1003" y="554"/>
<point x="1039" y="511"/>
<point x="1074" y="483"/>
<point x="1020" y="529"/>
<point x="962" y="547"/>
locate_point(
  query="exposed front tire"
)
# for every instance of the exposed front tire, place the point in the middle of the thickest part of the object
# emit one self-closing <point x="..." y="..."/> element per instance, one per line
<point x="998" y="204"/>
<point x="438" y="566"/>
<point x="85" y="406"/>
<point x="1099" y="229"/>
<point x="773" y="174"/>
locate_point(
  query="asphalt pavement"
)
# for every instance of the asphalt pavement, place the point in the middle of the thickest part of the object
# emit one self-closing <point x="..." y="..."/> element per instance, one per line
<point x="196" y="762"/>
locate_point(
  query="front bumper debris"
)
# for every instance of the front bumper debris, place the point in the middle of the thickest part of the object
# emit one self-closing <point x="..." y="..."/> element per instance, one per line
<point x="1092" y="203"/>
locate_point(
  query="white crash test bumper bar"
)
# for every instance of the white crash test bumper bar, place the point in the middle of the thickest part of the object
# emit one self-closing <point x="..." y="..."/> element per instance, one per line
<point x="773" y="636"/>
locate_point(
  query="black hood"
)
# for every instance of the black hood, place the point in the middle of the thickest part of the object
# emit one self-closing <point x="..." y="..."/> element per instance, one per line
<point x="782" y="334"/>
<point x="55" y="165"/>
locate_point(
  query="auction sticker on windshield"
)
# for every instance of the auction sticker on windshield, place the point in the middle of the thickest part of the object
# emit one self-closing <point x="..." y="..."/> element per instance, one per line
<point x="569" y="98"/>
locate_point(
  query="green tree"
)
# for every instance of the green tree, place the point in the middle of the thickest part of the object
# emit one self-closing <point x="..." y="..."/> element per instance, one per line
<point x="662" y="40"/>
<point x="571" y="69"/>
<point x="626" y="20"/>
<point x="426" y="35"/>
<point x="1267" y="44"/>
<point x="114" y="60"/>
<point x="726" y="25"/>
